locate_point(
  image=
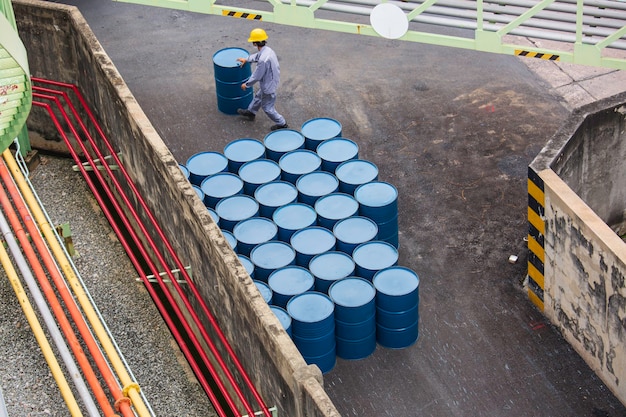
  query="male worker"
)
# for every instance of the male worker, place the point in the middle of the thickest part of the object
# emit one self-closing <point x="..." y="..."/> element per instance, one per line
<point x="267" y="73"/>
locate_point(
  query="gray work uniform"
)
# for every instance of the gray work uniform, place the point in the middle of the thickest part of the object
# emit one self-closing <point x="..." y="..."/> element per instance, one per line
<point x="267" y="74"/>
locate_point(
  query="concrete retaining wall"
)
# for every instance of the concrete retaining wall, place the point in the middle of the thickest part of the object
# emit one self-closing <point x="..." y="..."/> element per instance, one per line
<point x="61" y="47"/>
<point x="577" y="186"/>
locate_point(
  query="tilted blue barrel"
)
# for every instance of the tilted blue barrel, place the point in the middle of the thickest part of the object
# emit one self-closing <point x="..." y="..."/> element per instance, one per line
<point x="229" y="75"/>
<point x="243" y="150"/>
<point x="279" y="142"/>
<point x="257" y="172"/>
<point x="397" y="307"/>
<point x="355" y="172"/>
<point x="334" y="207"/>
<point x="355" y="317"/>
<point x="234" y="209"/>
<point x="313" y="328"/>
<point x="252" y="232"/>
<point x="283" y="317"/>
<point x="317" y="130"/>
<point x="219" y="186"/>
<point x="274" y="194"/>
<point x="204" y="164"/>
<point x="353" y="231"/>
<point x="329" y="267"/>
<point x="269" y="256"/>
<point x="296" y="163"/>
<point x="336" y="151"/>
<point x="378" y="200"/>
<point x="373" y="256"/>
<point x="293" y="217"/>
<point x="311" y="241"/>
<point x="314" y="185"/>
<point x="288" y="282"/>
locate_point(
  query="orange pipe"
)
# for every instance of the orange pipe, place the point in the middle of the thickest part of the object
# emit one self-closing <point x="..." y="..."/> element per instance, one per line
<point x="54" y="303"/>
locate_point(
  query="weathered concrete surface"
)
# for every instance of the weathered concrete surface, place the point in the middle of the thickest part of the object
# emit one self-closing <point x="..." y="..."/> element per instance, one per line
<point x="268" y="355"/>
<point x="454" y="130"/>
<point x="584" y="290"/>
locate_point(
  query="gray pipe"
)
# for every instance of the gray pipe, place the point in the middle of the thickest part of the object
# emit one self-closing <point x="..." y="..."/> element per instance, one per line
<point x="51" y="325"/>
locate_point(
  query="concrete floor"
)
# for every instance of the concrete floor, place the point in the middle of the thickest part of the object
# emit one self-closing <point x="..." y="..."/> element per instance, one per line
<point x="454" y="131"/>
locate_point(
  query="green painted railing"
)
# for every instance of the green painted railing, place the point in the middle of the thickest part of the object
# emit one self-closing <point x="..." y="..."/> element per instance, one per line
<point x="15" y="85"/>
<point x="586" y="32"/>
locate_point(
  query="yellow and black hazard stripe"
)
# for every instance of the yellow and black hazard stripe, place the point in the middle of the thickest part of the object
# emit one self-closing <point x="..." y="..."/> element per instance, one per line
<point x="540" y="55"/>
<point x="242" y="15"/>
<point x="536" y="231"/>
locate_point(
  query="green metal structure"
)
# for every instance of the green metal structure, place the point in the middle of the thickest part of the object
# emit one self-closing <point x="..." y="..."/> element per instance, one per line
<point x="589" y="32"/>
<point x="15" y="85"/>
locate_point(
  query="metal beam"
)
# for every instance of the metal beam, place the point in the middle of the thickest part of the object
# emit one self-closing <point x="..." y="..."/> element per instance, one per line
<point x="586" y="33"/>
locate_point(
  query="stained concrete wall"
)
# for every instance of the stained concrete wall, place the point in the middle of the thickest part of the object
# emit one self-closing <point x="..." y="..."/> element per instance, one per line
<point x="584" y="182"/>
<point x="61" y="47"/>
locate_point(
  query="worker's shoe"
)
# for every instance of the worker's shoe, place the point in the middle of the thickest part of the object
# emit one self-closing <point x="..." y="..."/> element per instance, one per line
<point x="246" y="113"/>
<point x="283" y="126"/>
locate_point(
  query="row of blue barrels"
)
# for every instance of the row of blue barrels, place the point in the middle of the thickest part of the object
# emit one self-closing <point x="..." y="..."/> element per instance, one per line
<point x="351" y="318"/>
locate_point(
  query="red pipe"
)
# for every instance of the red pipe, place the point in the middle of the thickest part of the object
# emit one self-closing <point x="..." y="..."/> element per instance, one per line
<point x="173" y="254"/>
<point x="135" y="261"/>
<point x="47" y="289"/>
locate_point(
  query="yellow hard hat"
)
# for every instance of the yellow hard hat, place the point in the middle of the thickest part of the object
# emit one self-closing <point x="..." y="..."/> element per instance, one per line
<point x="257" y="35"/>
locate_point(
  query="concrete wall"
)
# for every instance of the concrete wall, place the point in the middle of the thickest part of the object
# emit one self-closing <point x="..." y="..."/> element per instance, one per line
<point x="61" y="47"/>
<point x="577" y="185"/>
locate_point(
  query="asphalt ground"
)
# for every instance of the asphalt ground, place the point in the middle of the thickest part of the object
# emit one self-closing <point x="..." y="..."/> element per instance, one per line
<point x="454" y="130"/>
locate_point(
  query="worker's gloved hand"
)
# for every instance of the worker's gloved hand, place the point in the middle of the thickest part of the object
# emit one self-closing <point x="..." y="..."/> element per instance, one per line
<point x="242" y="60"/>
<point x="244" y="86"/>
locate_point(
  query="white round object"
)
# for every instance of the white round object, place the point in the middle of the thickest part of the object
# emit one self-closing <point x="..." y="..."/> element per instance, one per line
<point x="389" y="21"/>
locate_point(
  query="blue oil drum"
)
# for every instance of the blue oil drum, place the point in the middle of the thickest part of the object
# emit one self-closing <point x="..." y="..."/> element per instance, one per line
<point x="230" y="239"/>
<point x="214" y="216"/>
<point x="279" y="142"/>
<point x="313" y="328"/>
<point x="199" y="192"/>
<point x="254" y="231"/>
<point x="353" y="231"/>
<point x="314" y="185"/>
<point x="354" y="349"/>
<point x="274" y="194"/>
<point x="388" y="231"/>
<point x="374" y="256"/>
<point x="247" y="264"/>
<point x="269" y="256"/>
<point x="229" y="75"/>
<point x="204" y="164"/>
<point x="334" y="207"/>
<point x="397" y="307"/>
<point x="329" y="267"/>
<point x="184" y="170"/>
<point x="354" y="173"/>
<point x="311" y="241"/>
<point x="296" y="163"/>
<point x="219" y="186"/>
<point x="288" y="282"/>
<point x="293" y="217"/>
<point x="378" y="200"/>
<point x="355" y="301"/>
<point x="257" y="172"/>
<point x="243" y="150"/>
<point x="265" y="291"/>
<point x="335" y="151"/>
<point x="397" y="289"/>
<point x="317" y="130"/>
<point x="283" y="317"/>
<point x="234" y="209"/>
